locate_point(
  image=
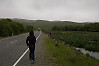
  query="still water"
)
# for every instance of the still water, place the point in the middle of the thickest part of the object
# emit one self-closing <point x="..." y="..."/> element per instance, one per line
<point x="91" y="53"/>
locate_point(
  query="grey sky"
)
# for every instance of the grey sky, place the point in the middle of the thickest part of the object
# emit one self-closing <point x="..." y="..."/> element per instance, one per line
<point x="72" y="10"/>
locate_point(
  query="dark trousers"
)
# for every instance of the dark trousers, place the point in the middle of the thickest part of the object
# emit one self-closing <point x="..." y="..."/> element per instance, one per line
<point x="31" y="55"/>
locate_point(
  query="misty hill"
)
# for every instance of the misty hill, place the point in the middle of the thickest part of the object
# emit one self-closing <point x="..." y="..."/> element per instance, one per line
<point x="45" y="24"/>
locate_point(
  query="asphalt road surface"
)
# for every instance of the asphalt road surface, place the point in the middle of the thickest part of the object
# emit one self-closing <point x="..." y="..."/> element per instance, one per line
<point x="12" y="48"/>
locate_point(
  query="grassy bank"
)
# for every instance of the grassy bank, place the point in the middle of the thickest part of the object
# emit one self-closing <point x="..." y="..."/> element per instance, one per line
<point x="63" y="55"/>
<point x="87" y="40"/>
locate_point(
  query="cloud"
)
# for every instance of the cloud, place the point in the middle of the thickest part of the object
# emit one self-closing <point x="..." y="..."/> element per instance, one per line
<point x="73" y="10"/>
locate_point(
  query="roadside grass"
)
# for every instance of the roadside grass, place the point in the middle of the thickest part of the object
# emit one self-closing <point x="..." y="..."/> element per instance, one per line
<point x="12" y="36"/>
<point x="62" y="55"/>
<point x="3" y="37"/>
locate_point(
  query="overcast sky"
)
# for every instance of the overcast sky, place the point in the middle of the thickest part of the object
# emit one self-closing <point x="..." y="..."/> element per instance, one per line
<point x="72" y="10"/>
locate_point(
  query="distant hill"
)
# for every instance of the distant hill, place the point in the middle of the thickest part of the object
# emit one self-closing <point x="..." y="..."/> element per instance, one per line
<point x="43" y="24"/>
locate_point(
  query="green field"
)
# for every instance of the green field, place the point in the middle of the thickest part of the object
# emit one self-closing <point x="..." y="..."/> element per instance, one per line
<point x="62" y="55"/>
<point x="87" y="40"/>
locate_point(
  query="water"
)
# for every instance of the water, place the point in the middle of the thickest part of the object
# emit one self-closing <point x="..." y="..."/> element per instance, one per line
<point x="91" y="53"/>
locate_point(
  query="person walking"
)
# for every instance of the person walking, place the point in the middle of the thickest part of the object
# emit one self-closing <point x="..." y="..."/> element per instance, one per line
<point x="30" y="41"/>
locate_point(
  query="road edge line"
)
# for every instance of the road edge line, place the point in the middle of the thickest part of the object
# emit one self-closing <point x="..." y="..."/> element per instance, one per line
<point x="24" y="53"/>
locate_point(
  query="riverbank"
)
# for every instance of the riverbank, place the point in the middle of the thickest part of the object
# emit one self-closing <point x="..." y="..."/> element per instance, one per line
<point x="64" y="55"/>
<point x="91" y="53"/>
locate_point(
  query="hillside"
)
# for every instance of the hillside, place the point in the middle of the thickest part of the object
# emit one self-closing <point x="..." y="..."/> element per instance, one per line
<point x="43" y="24"/>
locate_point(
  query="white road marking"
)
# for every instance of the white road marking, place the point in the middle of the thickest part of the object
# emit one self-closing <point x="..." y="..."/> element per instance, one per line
<point x="24" y="53"/>
<point x="13" y="41"/>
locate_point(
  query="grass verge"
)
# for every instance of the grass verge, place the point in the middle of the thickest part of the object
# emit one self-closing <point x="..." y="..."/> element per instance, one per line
<point x="62" y="55"/>
<point x="11" y="36"/>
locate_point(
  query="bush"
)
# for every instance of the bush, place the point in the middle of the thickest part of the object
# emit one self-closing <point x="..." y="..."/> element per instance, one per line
<point x="28" y="28"/>
<point x="7" y="27"/>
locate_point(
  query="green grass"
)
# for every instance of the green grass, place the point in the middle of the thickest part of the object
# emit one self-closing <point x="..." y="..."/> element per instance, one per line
<point x="12" y="36"/>
<point x="3" y="37"/>
<point x="61" y="55"/>
<point x="87" y="40"/>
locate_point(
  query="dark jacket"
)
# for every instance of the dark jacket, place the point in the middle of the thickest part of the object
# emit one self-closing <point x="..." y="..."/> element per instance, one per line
<point x="30" y="41"/>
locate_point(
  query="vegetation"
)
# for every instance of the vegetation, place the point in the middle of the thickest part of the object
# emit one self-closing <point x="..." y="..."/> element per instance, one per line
<point x="44" y="24"/>
<point x="63" y="55"/>
<point x="85" y="36"/>
<point x="93" y="27"/>
<point x="87" y="40"/>
<point x="28" y="28"/>
<point x="9" y="28"/>
<point x="59" y="25"/>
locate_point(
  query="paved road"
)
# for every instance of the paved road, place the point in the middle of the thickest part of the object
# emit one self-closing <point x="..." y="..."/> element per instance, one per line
<point x="41" y="55"/>
<point x="12" y="48"/>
